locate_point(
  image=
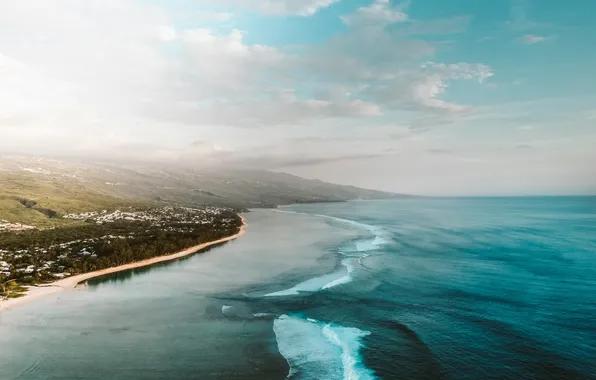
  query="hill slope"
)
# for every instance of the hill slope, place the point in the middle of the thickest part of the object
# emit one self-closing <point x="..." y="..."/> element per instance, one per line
<point x="74" y="187"/>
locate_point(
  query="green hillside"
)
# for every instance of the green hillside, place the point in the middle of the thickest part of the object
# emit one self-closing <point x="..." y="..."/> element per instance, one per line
<point x="30" y="199"/>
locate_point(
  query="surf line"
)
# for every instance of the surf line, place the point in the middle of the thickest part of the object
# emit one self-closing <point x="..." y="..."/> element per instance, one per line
<point x="340" y="277"/>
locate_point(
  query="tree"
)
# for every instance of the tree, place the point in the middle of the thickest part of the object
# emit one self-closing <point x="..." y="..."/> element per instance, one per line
<point x="3" y="283"/>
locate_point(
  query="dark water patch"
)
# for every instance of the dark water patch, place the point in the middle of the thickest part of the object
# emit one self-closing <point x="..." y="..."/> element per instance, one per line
<point x="410" y="357"/>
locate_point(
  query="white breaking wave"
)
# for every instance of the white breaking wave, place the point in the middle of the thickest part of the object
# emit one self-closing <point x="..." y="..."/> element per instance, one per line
<point x="345" y="279"/>
<point x="313" y="349"/>
<point x="365" y="245"/>
<point x="343" y="276"/>
<point x="316" y="284"/>
<point x="261" y="315"/>
<point x="321" y="351"/>
<point x="380" y="235"/>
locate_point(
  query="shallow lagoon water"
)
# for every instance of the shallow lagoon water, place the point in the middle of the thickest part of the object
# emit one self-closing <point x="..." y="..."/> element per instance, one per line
<point x="476" y="288"/>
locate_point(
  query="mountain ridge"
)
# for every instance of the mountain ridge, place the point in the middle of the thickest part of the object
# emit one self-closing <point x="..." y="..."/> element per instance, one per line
<point x="74" y="186"/>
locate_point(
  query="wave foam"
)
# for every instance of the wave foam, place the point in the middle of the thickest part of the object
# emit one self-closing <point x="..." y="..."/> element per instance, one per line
<point x="364" y="245"/>
<point x="345" y="279"/>
<point x="262" y="315"/>
<point x="321" y="351"/>
<point x="316" y="284"/>
<point x="380" y="234"/>
<point x="342" y="277"/>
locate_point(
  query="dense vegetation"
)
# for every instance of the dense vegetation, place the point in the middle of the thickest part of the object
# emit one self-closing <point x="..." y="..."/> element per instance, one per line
<point x="38" y="256"/>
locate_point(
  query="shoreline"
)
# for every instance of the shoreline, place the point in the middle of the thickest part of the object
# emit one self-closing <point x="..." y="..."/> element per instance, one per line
<point x="36" y="292"/>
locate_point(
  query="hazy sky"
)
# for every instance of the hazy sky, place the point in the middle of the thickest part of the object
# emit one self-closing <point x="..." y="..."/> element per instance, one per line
<point x="420" y="96"/>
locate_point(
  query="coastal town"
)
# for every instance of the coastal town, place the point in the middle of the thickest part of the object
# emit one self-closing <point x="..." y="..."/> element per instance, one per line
<point x="8" y="226"/>
<point x="102" y="239"/>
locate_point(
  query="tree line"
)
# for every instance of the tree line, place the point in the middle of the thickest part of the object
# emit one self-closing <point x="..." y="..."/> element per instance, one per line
<point x="142" y="241"/>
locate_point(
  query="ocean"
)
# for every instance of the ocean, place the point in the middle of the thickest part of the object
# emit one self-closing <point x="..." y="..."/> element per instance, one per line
<point x="416" y="288"/>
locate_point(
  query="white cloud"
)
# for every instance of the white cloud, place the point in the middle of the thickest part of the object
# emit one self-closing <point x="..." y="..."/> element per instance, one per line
<point x="224" y="65"/>
<point x="378" y="14"/>
<point x="300" y="7"/>
<point x="277" y="7"/>
<point x="167" y="33"/>
<point x="76" y="72"/>
<point x="530" y="39"/>
<point x="426" y="94"/>
<point x="7" y="64"/>
<point x="421" y="89"/>
<point x="125" y="79"/>
<point x="461" y="70"/>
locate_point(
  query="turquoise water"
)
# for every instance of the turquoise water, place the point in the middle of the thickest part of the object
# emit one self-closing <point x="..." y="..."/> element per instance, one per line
<point x="477" y="288"/>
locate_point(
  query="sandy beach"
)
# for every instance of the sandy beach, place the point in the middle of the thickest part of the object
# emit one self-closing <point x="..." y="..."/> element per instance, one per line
<point x="35" y="292"/>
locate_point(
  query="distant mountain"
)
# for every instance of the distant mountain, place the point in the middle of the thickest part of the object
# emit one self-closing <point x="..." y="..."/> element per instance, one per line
<point x="69" y="186"/>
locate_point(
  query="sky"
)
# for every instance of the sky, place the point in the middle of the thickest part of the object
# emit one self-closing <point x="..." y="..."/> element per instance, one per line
<point x="432" y="97"/>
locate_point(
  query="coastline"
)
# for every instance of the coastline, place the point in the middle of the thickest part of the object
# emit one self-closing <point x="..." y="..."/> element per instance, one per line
<point x="36" y="292"/>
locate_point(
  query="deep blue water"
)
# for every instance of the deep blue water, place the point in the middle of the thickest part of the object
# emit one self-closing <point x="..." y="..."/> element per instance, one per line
<point x="474" y="288"/>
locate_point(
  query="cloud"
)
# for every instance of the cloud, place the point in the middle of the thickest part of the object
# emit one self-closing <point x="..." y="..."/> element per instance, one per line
<point x="530" y="39"/>
<point x="277" y="7"/>
<point x="289" y="161"/>
<point x="421" y="88"/>
<point x="378" y="14"/>
<point x="102" y="75"/>
<point x="440" y="151"/>
<point x="396" y="133"/>
<point x="199" y="143"/>
<point x="166" y="33"/>
<point x="426" y="93"/>
<point x="456" y="71"/>
<point x="444" y="26"/>
<point x="210" y="154"/>
<point x="402" y="134"/>
<point x="229" y="71"/>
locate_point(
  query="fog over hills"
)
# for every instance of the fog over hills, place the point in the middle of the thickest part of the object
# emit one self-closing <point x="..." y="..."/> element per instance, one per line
<point x="68" y="185"/>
